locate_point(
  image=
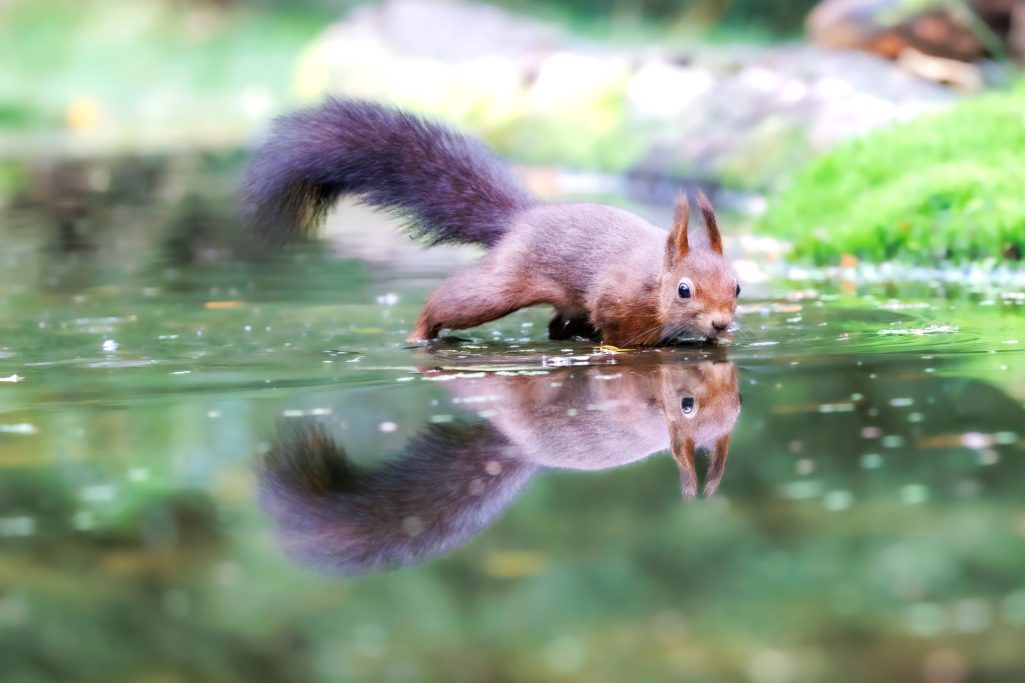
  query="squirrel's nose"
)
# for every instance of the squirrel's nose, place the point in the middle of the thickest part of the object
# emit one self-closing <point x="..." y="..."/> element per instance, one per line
<point x="720" y="325"/>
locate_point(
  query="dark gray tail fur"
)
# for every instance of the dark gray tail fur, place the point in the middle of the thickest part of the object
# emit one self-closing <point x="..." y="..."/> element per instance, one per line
<point x="448" y="187"/>
<point x="447" y="486"/>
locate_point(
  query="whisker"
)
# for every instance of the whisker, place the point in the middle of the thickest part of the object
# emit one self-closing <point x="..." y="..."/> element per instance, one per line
<point x="638" y="336"/>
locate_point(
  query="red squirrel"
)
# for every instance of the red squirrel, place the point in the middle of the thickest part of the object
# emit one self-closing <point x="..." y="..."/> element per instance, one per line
<point x="608" y="273"/>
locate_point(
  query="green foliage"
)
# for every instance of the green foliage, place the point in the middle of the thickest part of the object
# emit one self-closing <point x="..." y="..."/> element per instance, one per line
<point x="946" y="186"/>
<point x="783" y="16"/>
<point x="786" y="17"/>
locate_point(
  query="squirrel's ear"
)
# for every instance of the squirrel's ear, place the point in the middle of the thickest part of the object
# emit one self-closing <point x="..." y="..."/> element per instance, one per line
<point x="683" y="453"/>
<point x="678" y="246"/>
<point x="716" y="465"/>
<point x="711" y="224"/>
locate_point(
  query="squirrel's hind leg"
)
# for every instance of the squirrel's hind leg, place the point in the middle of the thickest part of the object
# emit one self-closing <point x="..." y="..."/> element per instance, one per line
<point x="561" y="328"/>
<point x="473" y="296"/>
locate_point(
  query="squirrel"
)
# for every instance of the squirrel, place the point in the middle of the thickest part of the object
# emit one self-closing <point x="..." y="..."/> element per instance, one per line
<point x="608" y="273"/>
<point x="451" y="480"/>
<point x="617" y="415"/>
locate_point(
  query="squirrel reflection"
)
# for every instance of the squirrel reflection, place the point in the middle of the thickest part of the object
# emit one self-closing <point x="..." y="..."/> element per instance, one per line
<point x="452" y="480"/>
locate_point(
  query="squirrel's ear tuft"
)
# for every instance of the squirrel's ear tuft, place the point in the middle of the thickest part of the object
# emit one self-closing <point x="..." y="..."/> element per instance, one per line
<point x="678" y="244"/>
<point x="716" y="465"/>
<point x="683" y="453"/>
<point x="711" y="224"/>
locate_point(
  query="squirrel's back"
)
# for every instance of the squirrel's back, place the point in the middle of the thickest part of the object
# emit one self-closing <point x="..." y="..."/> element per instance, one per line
<point x="447" y="186"/>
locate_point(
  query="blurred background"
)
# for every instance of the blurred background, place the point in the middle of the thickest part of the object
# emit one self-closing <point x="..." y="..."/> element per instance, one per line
<point x="738" y="93"/>
<point x="866" y="158"/>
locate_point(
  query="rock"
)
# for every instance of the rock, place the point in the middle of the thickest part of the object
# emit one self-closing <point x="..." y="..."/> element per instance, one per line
<point x="934" y="28"/>
<point x="959" y="74"/>
<point x="746" y="113"/>
<point x="763" y="116"/>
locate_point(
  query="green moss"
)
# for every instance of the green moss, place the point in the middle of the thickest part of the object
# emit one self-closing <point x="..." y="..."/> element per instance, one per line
<point x="945" y="186"/>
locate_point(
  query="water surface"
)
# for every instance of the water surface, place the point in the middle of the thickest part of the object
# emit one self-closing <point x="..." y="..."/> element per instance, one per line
<point x="221" y="463"/>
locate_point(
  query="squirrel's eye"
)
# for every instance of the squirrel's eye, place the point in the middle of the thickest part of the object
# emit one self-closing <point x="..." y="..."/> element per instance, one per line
<point x="688" y="405"/>
<point x="683" y="290"/>
<point x="738" y="290"/>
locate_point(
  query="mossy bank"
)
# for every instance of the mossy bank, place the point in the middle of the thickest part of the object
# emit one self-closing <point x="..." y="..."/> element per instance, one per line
<point x="943" y="187"/>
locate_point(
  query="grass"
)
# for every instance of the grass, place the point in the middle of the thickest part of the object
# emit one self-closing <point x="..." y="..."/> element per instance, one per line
<point x="942" y="187"/>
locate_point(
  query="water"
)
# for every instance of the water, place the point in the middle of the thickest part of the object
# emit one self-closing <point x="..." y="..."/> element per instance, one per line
<point x="174" y="503"/>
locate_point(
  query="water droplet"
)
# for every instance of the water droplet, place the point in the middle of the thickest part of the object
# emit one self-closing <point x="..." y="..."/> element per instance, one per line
<point x="13" y="609"/>
<point x="972" y="616"/>
<point x="177" y="603"/>
<point x="1013" y="608"/>
<point x="914" y="494"/>
<point x="988" y="457"/>
<point x="138" y="474"/>
<point x="871" y="461"/>
<point x="83" y="520"/>
<point x="19" y="428"/>
<point x="838" y="500"/>
<point x="926" y="619"/>
<point x="772" y="666"/>
<point x="17" y="526"/>
<point x="802" y="490"/>
<point x="97" y="493"/>
<point x="976" y="440"/>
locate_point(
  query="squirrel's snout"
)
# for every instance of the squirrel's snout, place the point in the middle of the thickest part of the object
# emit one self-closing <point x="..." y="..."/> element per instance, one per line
<point x="718" y="328"/>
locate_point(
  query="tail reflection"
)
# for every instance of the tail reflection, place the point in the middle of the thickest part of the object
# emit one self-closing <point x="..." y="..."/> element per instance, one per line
<point x="445" y="487"/>
<point x="451" y="481"/>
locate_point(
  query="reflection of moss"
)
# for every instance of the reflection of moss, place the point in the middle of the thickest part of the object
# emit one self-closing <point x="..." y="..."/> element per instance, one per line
<point x="946" y="186"/>
<point x="124" y="603"/>
<point x="12" y="179"/>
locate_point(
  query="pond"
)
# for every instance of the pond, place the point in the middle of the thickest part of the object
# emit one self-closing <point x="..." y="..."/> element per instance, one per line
<point x="225" y="464"/>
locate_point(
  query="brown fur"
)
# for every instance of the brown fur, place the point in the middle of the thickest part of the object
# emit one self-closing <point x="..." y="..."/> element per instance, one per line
<point x="450" y="481"/>
<point x="599" y="418"/>
<point x="608" y="273"/>
<point x="602" y="268"/>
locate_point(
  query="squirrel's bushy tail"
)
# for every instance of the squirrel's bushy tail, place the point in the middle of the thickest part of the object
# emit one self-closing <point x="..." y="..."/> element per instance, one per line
<point x="448" y="187"/>
<point x="447" y="485"/>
